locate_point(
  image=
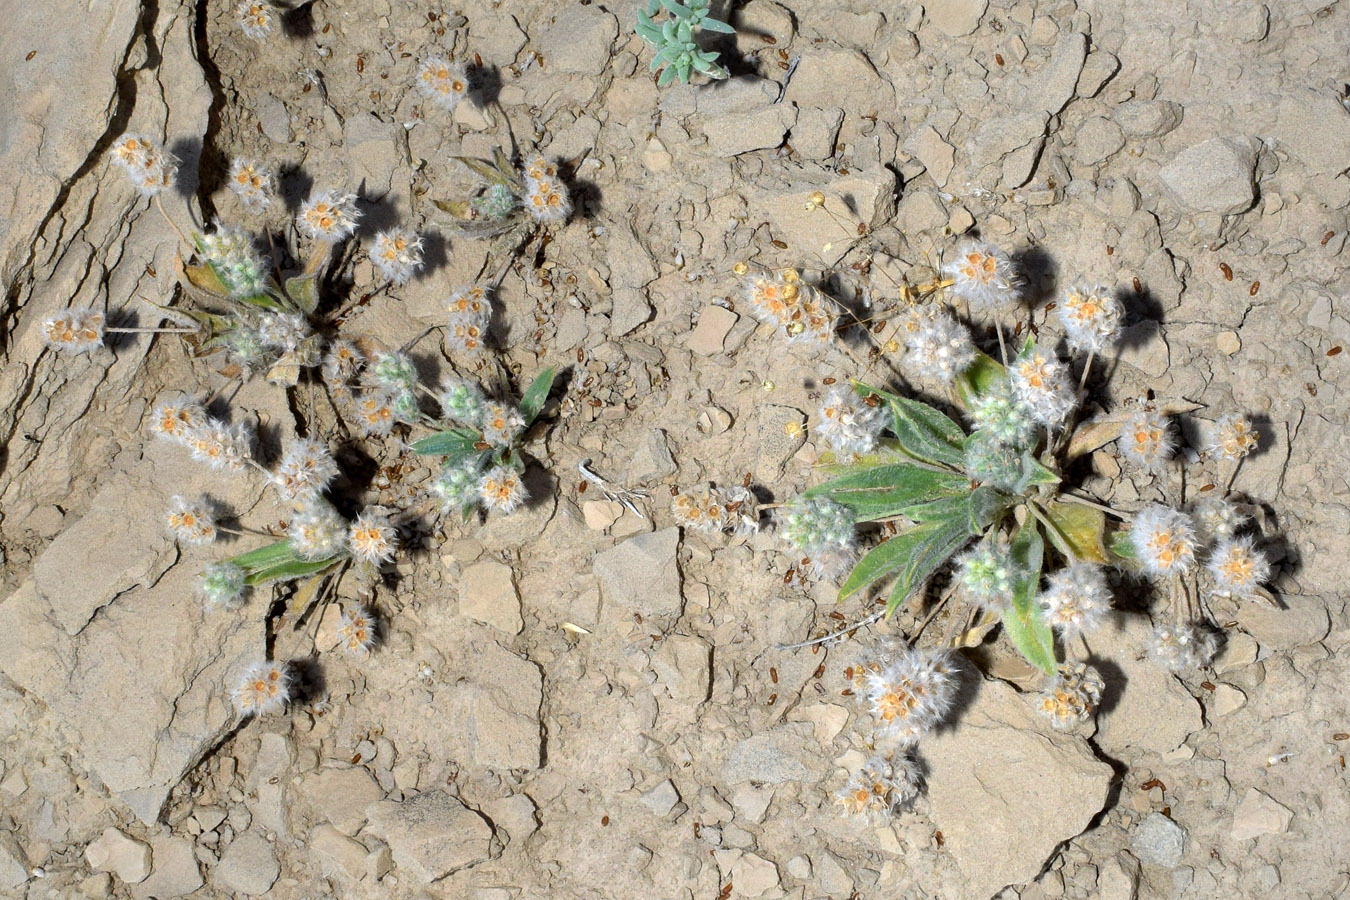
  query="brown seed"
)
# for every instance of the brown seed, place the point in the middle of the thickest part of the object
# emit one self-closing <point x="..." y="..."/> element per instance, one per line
<point x="847" y="692"/>
<point x="1049" y="306"/>
<point x="773" y="674"/>
<point x="360" y="64"/>
<point x="327" y="27"/>
<point x="779" y="244"/>
<point x="1207" y="685"/>
<point x="862" y="228"/>
<point x="604" y="821"/>
<point x="1326" y="237"/>
<point x="820" y="670"/>
<point x="1206" y="487"/>
<point x="1256" y="286"/>
<point x="1334" y="351"/>
<point x="1227" y="271"/>
<point x="1138" y="285"/>
<point x="773" y="698"/>
<point x="150" y="270"/>
<point x="998" y="58"/>
<point x="581" y="488"/>
<point x="1340" y="736"/>
<point x="768" y="39"/>
<point x="787" y="579"/>
<point x="1110" y="251"/>
<point x="33" y="53"/>
<point x="937" y="837"/>
<point x="827" y="381"/>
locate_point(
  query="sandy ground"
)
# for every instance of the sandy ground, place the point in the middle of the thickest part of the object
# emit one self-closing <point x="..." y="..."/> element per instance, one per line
<point x="578" y="702"/>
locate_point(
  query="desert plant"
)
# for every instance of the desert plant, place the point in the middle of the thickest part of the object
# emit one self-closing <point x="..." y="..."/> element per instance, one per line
<point x="678" y="54"/>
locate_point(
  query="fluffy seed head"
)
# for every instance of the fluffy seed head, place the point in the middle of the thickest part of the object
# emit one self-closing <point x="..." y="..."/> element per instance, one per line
<point x="1077" y="600"/>
<point x="257" y="20"/>
<point x="1072" y="696"/>
<point x="149" y="166"/>
<point x="885" y="784"/>
<point x="191" y="521"/>
<point x="222" y="446"/>
<point x="983" y="275"/>
<point x="397" y="254"/>
<point x="372" y="539"/>
<point x="317" y="531"/>
<point x="305" y="470"/>
<point x="442" y="82"/>
<point x="715" y="510"/>
<point x="502" y="489"/>
<point x="178" y="420"/>
<point x="356" y="630"/>
<point x="74" y="331"/>
<point x="253" y="183"/>
<point x="1182" y="648"/>
<point x="848" y="425"/>
<point x="911" y="693"/>
<point x="470" y="303"/>
<point x="825" y="531"/>
<point x="783" y="300"/>
<point x="990" y="576"/>
<point x="1042" y="387"/>
<point x="1238" y="568"/>
<point x="342" y="361"/>
<point x="1164" y="538"/>
<point x="547" y="199"/>
<point x="536" y="165"/>
<point x="462" y="402"/>
<point x="328" y="216"/>
<point x="1234" y="437"/>
<point x="1090" y="316"/>
<point x="1146" y="440"/>
<point x="457" y="487"/>
<point x="265" y="688"/>
<point x="501" y="423"/>
<point x="222" y="584"/>
<point x="377" y="414"/>
<point x="938" y="347"/>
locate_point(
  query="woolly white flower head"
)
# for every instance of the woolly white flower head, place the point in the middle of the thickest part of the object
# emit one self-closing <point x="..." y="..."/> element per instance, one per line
<point x="222" y="584"/>
<point x="1233" y="437"/>
<point x="983" y="275"/>
<point x="377" y="414"/>
<point x="1072" y="696"/>
<point x="265" y="688"/>
<point x="501" y="488"/>
<point x="1077" y="599"/>
<point x="74" y="331"/>
<point x="328" y="216"/>
<point x="253" y="182"/>
<point x="442" y="82"/>
<point x="342" y="361"/>
<point x="825" y="531"/>
<point x="1238" y="568"/>
<point x="501" y="423"/>
<point x="848" y="425"/>
<point x="372" y="539"/>
<point x="1164" y="538"/>
<point x="1146" y="440"/>
<point x="457" y="487"/>
<point x="1043" y="388"/>
<point x="462" y="402"/>
<point x="1091" y="317"/>
<point x="1002" y="416"/>
<point x="222" y="446"/>
<point x="284" y="331"/>
<point x="256" y="19"/>
<point x="149" y="166"/>
<point x="1181" y="648"/>
<point x="911" y="693"/>
<point x="317" y="530"/>
<point x="990" y="576"/>
<point x="1216" y="518"/>
<point x="547" y="199"/>
<point x="191" y="521"/>
<point x="393" y="371"/>
<point x="885" y="784"/>
<point x="938" y="347"/>
<point x="397" y="254"/>
<point x="178" y="420"/>
<point x="231" y="255"/>
<point x="356" y="630"/>
<point x="305" y="470"/>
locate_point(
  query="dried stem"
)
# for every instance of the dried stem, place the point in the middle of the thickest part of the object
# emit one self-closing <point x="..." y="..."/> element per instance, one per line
<point x="876" y="616"/>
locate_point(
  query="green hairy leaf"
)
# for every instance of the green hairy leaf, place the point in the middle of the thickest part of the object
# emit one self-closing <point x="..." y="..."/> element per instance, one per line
<point x="532" y="401"/>
<point x="979" y="377"/>
<point x="304" y="292"/>
<point x="1024" y="623"/>
<point x="1078" y="531"/>
<point x="923" y="432"/>
<point x="453" y="442"/>
<point x="291" y="569"/>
